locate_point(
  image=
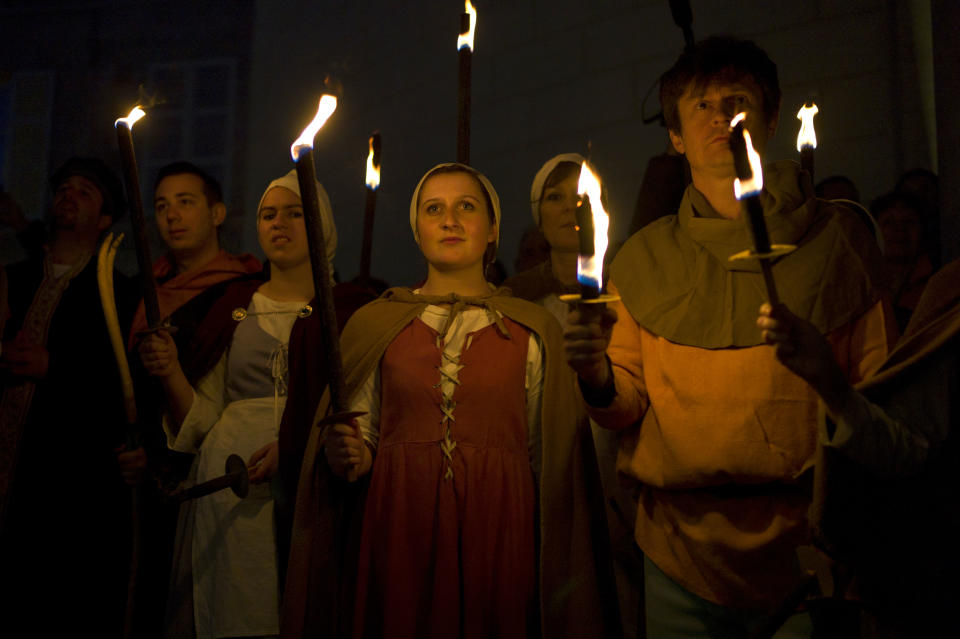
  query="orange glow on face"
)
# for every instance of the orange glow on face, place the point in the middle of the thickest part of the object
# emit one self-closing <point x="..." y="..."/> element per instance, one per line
<point x="807" y="135"/>
<point x="755" y="183"/>
<point x="328" y="104"/>
<point x="132" y="118"/>
<point x="591" y="266"/>
<point x="466" y="39"/>
<point x="373" y="170"/>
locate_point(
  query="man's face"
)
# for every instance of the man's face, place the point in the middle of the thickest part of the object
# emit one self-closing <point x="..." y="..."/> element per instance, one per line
<point x="705" y="115"/>
<point x="76" y="207"/>
<point x="187" y="223"/>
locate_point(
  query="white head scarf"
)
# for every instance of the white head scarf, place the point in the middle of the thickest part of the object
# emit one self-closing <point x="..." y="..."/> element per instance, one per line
<point x="291" y="183"/>
<point x="484" y="182"/>
<point x="536" y="190"/>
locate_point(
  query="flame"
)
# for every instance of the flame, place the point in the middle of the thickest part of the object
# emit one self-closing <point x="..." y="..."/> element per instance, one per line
<point x="373" y="171"/>
<point x="328" y="104"/>
<point x="132" y="118"/>
<point x="807" y="135"/>
<point x="755" y="184"/>
<point x="590" y="267"/>
<point x="466" y="39"/>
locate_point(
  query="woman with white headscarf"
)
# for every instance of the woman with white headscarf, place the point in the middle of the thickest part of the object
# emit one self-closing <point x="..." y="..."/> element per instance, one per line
<point x="228" y="546"/>
<point x="466" y="445"/>
<point x="553" y="201"/>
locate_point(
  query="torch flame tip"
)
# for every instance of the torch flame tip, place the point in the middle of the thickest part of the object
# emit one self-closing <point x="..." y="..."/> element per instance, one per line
<point x="304" y="143"/>
<point x="590" y="267"/>
<point x="132" y="118"/>
<point x="807" y="137"/>
<point x="465" y="39"/>
<point x="373" y="162"/>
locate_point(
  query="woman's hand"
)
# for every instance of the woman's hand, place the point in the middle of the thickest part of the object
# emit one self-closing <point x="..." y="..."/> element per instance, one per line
<point x="263" y="463"/>
<point x="158" y="352"/>
<point x="346" y="452"/>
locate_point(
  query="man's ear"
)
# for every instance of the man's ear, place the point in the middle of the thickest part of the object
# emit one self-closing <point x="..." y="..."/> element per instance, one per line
<point x="105" y="222"/>
<point x="676" y="141"/>
<point x="219" y="212"/>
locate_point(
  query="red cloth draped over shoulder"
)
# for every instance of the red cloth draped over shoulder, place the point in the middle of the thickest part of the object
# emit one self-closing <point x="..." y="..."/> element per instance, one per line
<point x="180" y="289"/>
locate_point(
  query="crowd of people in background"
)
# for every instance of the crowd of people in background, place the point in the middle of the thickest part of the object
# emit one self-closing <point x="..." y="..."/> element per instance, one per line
<point x="684" y="460"/>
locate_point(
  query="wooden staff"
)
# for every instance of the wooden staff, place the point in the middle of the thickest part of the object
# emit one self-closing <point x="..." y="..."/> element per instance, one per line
<point x="105" y="259"/>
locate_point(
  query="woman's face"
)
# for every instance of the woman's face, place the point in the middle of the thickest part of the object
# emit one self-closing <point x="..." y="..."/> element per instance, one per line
<point x="453" y="221"/>
<point x="558" y="215"/>
<point x="280" y="228"/>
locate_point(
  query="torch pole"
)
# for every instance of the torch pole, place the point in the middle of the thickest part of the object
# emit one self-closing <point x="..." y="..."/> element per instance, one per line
<point x="754" y="210"/>
<point x="320" y="267"/>
<point x="148" y="285"/>
<point x="465" y="56"/>
<point x="806" y="160"/>
<point x="761" y="242"/>
<point x="367" y="247"/>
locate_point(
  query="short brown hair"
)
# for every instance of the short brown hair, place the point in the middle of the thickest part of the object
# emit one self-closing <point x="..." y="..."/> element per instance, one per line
<point x="719" y="59"/>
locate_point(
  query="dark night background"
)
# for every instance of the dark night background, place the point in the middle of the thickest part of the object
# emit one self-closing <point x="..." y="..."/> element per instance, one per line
<point x="238" y="79"/>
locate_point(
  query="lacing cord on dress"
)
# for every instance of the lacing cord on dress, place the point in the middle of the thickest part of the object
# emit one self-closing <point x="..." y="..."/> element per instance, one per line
<point x="278" y="370"/>
<point x="458" y="303"/>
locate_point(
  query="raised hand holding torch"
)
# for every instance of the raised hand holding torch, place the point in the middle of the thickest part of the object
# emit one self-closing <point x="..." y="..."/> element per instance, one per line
<point x="589" y="317"/>
<point x="747" y="187"/>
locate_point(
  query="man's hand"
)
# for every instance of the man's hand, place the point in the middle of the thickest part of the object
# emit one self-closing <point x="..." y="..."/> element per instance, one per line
<point x="133" y="464"/>
<point x="346" y="451"/>
<point x="800" y="347"/>
<point x="263" y="463"/>
<point x="586" y="335"/>
<point x="26" y="359"/>
<point x="158" y="353"/>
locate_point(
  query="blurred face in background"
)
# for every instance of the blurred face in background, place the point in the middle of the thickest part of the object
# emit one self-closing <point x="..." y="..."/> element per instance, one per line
<point x="558" y="214"/>
<point x="902" y="231"/>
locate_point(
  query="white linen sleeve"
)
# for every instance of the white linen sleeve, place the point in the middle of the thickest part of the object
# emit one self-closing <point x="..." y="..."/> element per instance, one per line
<point x="367" y="400"/>
<point x="534" y="385"/>
<point x="205" y="410"/>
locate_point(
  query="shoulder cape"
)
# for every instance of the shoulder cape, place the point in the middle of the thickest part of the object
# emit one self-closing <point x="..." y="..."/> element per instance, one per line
<point x="677" y="281"/>
<point x="578" y="595"/>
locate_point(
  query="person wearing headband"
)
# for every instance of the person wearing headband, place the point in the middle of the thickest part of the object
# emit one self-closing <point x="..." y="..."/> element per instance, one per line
<point x="467" y="437"/>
